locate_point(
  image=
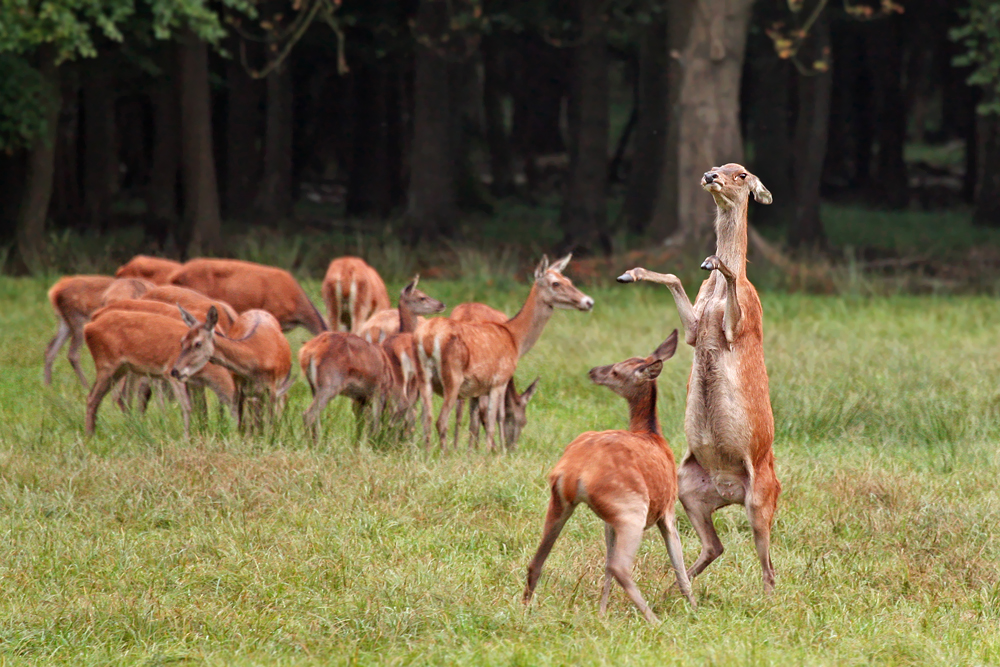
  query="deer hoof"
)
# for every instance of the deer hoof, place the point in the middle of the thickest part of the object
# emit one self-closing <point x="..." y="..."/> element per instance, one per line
<point x="710" y="263"/>
<point x="625" y="278"/>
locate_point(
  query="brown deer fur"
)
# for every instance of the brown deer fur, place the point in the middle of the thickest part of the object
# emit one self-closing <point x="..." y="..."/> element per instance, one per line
<point x="627" y="478"/>
<point x="353" y="291"/>
<point x="154" y="269"/>
<point x="248" y="286"/>
<point x="728" y="422"/>
<point x="472" y="359"/>
<point x="194" y="302"/>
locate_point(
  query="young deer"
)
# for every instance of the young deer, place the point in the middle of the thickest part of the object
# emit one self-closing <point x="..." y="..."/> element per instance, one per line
<point x="728" y="421"/>
<point x="627" y="478"/>
<point x="123" y="341"/>
<point x="75" y="298"/>
<point x="248" y="286"/>
<point x="255" y="351"/>
<point x="339" y="362"/>
<point x="353" y="291"/>
<point x="473" y="359"/>
<point x="154" y="269"/>
<point x="515" y="404"/>
<point x="193" y="302"/>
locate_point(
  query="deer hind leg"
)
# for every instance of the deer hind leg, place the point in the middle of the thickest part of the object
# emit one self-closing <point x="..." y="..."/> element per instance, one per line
<point x="668" y="529"/>
<point x="494" y="416"/>
<point x="103" y="383"/>
<point x="74" y="353"/>
<point x="556" y="517"/>
<point x="628" y="528"/>
<point x="181" y="394"/>
<point x="609" y="542"/>
<point x="323" y="393"/>
<point x="761" y="503"/>
<point x="459" y="408"/>
<point x="62" y="335"/>
<point x="477" y="417"/>
<point x="700" y="499"/>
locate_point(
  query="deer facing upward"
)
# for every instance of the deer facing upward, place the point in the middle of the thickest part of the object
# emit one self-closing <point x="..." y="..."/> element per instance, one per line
<point x="627" y="478"/>
<point x="728" y="420"/>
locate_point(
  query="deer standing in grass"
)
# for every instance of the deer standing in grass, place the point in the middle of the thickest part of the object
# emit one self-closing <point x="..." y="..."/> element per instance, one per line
<point x="728" y="421"/>
<point x="154" y="269"/>
<point x="74" y="299"/>
<point x="515" y="403"/>
<point x="249" y="286"/>
<point x="627" y="478"/>
<point x="255" y="351"/>
<point x="338" y="362"/>
<point x="473" y="359"/>
<point x="353" y="291"/>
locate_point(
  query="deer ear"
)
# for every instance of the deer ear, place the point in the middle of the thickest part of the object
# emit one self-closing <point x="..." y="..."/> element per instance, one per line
<point x="760" y="194"/>
<point x="529" y="392"/>
<point x="211" y="319"/>
<point x="651" y="371"/>
<point x="187" y="317"/>
<point x="409" y="287"/>
<point x="560" y="265"/>
<point x="542" y="267"/>
<point x="666" y="348"/>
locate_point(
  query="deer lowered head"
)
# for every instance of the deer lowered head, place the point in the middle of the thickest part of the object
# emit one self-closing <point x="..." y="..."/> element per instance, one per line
<point x="197" y="346"/>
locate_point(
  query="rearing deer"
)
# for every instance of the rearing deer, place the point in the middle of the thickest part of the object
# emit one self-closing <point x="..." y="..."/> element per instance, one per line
<point x="728" y="421"/>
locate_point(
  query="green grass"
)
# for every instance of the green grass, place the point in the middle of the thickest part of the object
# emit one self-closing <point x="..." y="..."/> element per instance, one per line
<point x="137" y="546"/>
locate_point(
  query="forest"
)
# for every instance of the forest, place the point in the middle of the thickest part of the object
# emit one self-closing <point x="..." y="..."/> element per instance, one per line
<point x="175" y="127"/>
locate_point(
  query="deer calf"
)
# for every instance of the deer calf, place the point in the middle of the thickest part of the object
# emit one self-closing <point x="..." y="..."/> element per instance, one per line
<point x="728" y="420"/>
<point x="627" y="478"/>
<point x="353" y="291"/>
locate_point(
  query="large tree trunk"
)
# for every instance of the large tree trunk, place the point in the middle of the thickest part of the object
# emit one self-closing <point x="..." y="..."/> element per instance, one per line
<point x="37" y="192"/>
<point x="67" y="203"/>
<point x="651" y="128"/>
<point x="243" y="129"/>
<point x="99" y="159"/>
<point x="12" y="169"/>
<point x="987" y="212"/>
<point x="810" y="137"/>
<point x="375" y="180"/>
<point x="275" y="200"/>
<point x="201" y="195"/>
<point x="584" y="212"/>
<point x="432" y="210"/>
<point x="501" y="166"/>
<point x="161" y="199"/>
<point x="885" y="57"/>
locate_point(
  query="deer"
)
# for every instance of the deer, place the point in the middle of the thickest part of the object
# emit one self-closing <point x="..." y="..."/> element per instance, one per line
<point x="339" y="362"/>
<point x="249" y="286"/>
<point x="74" y="299"/>
<point x="255" y="351"/>
<point x="728" y="420"/>
<point x="353" y="291"/>
<point x="627" y="478"/>
<point x="123" y="341"/>
<point x="193" y="302"/>
<point x="473" y="359"/>
<point x="515" y="403"/>
<point x="154" y="269"/>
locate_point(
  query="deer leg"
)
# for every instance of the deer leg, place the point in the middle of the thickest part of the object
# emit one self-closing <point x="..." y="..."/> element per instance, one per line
<point x="495" y="401"/>
<point x="74" y="354"/>
<point x="609" y="541"/>
<point x="125" y="389"/>
<point x="322" y="395"/>
<point x="102" y="385"/>
<point x="700" y="499"/>
<point x="144" y="391"/>
<point x="556" y="517"/>
<point x="477" y="417"/>
<point x="628" y="535"/>
<point x="359" y="418"/>
<point x="199" y="406"/>
<point x="689" y="320"/>
<point x="459" y="406"/>
<point x="668" y="529"/>
<point x="761" y="503"/>
<point x="180" y="393"/>
<point x="732" y="314"/>
<point x="62" y="335"/>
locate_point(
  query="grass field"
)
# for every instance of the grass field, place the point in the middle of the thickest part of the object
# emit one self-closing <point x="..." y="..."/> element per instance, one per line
<point x="139" y="547"/>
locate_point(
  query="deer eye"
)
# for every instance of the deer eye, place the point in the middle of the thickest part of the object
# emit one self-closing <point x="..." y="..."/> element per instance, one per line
<point x="556" y="283"/>
<point x="197" y="344"/>
<point x="743" y="176"/>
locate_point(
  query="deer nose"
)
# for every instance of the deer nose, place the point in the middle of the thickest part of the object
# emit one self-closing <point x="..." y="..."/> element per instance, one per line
<point x="176" y="374"/>
<point x="586" y="303"/>
<point x="709" y="177"/>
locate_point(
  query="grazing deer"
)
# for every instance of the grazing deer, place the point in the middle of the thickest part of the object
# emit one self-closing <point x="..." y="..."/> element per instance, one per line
<point x="627" y="478"/>
<point x="123" y="341"/>
<point x="515" y="404"/>
<point x="728" y="421"/>
<point x="339" y="362"/>
<point x="353" y="291"/>
<point x="473" y="359"/>
<point x="255" y="351"/>
<point x="154" y="269"/>
<point x="248" y="286"/>
<point x="75" y="298"/>
<point x="194" y="302"/>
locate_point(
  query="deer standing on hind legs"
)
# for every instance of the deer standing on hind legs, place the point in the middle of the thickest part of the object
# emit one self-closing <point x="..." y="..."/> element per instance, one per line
<point x="627" y="478"/>
<point x="728" y="421"/>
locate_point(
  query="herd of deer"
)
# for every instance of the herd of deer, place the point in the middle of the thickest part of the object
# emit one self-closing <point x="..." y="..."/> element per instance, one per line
<point x="219" y="324"/>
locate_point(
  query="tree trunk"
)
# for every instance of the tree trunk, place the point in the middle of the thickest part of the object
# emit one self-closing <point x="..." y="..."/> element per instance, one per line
<point x="650" y="130"/>
<point x="886" y="60"/>
<point x="201" y="195"/>
<point x="161" y="200"/>
<point x="374" y="187"/>
<point x="501" y="166"/>
<point x="243" y="131"/>
<point x="585" y="209"/>
<point x="987" y="212"/>
<point x="432" y="210"/>
<point x="538" y="92"/>
<point x="275" y="200"/>
<point x="810" y="137"/>
<point x="12" y="168"/>
<point x="67" y="204"/>
<point x="99" y="159"/>
<point x="37" y="192"/>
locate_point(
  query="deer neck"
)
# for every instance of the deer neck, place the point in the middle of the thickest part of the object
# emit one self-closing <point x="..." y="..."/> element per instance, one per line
<point x="731" y="237"/>
<point x="642" y="417"/>
<point x="407" y="319"/>
<point x="526" y="327"/>
<point x="235" y="355"/>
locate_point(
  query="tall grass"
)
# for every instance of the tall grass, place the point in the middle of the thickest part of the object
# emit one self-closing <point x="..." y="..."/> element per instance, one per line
<point x="138" y="546"/>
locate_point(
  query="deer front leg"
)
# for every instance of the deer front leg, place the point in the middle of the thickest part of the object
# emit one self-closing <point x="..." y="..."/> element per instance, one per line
<point x="731" y="317"/>
<point x="689" y="320"/>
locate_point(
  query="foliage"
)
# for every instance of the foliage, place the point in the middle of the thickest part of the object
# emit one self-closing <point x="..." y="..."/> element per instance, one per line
<point x="980" y="37"/>
<point x="22" y="103"/>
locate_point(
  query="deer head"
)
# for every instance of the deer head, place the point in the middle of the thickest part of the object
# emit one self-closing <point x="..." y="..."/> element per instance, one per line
<point x="197" y="346"/>
<point x="556" y="290"/>
<point x="731" y="185"/>
<point x="515" y="415"/>
<point x="628" y="378"/>
<point x="418" y="302"/>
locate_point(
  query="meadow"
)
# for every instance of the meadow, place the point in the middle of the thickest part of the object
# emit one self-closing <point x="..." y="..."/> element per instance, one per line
<point x="138" y="546"/>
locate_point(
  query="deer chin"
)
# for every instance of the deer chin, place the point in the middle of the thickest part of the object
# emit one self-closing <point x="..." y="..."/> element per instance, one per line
<point x="713" y="187"/>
